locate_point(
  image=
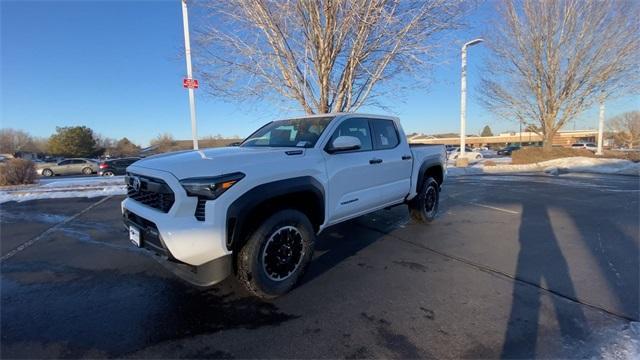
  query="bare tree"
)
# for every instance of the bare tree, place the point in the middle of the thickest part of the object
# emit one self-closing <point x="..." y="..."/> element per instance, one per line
<point x="626" y="128"/>
<point x="12" y="141"/>
<point x="554" y="58"/>
<point x="163" y="142"/>
<point x="325" y="55"/>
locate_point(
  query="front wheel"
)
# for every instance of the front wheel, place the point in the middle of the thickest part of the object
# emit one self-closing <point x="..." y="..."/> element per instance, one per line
<point x="424" y="207"/>
<point x="276" y="254"/>
<point x="47" y="172"/>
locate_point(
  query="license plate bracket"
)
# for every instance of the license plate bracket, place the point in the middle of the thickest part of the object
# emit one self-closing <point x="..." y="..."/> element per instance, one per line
<point x="134" y="236"/>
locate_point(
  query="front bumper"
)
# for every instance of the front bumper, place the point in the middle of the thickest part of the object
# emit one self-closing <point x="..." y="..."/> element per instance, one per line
<point x="193" y="250"/>
<point x="204" y="275"/>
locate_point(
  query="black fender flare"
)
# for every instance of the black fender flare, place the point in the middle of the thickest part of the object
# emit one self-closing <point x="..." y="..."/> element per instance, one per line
<point x="239" y="213"/>
<point x="427" y="164"/>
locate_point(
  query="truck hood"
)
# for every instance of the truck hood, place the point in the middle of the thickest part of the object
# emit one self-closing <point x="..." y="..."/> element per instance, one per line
<point x="214" y="161"/>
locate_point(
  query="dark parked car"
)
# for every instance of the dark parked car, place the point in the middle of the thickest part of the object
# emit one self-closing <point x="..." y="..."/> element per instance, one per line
<point x="115" y="166"/>
<point x="508" y="150"/>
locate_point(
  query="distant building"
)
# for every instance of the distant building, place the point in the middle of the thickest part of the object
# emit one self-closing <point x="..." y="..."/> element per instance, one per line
<point x="562" y="138"/>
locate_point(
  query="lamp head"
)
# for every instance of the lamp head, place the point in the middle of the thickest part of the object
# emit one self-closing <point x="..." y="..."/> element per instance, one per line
<point x="473" y="42"/>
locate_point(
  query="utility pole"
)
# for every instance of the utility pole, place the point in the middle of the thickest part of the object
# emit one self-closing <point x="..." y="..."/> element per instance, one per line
<point x="520" y="133"/>
<point x="601" y="126"/>
<point x="463" y="97"/>
<point x="187" y="51"/>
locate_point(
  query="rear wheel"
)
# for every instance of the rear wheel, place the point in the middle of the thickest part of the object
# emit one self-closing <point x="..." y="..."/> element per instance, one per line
<point x="87" y="171"/>
<point x="107" y="173"/>
<point x="424" y="207"/>
<point x="276" y="254"/>
<point x="47" y="172"/>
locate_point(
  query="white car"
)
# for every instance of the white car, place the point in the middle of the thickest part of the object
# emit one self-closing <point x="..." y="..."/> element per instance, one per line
<point x="254" y="210"/>
<point x="589" y="146"/>
<point x="470" y="153"/>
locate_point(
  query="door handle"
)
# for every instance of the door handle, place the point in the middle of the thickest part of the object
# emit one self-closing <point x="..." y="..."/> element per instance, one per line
<point x="406" y="157"/>
<point x="375" y="161"/>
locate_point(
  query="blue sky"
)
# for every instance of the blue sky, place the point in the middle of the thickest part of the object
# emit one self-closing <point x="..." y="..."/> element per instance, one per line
<point x="116" y="66"/>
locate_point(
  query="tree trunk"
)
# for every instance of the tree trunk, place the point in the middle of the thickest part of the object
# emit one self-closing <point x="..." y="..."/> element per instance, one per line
<point x="547" y="142"/>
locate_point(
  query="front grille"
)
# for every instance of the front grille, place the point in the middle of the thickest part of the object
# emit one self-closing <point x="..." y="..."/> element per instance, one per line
<point x="152" y="192"/>
<point x="199" y="214"/>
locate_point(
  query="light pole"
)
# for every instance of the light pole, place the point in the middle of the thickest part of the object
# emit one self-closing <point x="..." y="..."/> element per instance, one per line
<point x="187" y="51"/>
<point x="601" y="126"/>
<point x="463" y="96"/>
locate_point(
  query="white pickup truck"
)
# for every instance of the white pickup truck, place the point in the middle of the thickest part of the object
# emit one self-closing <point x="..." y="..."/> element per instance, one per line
<point x="254" y="210"/>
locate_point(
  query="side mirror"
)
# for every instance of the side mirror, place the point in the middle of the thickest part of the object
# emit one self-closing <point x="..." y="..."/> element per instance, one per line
<point x="345" y="143"/>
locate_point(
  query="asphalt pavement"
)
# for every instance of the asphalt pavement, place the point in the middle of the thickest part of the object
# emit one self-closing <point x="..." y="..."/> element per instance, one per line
<point x="515" y="266"/>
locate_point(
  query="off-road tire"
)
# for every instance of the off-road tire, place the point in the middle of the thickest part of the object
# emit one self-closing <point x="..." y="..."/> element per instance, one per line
<point x="424" y="207"/>
<point x="251" y="269"/>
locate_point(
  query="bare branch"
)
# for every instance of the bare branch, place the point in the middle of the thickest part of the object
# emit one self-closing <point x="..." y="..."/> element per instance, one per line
<point x="555" y="59"/>
<point x="325" y="55"/>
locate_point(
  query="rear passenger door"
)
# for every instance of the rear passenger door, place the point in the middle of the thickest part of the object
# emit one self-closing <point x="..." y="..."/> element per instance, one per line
<point x="77" y="166"/>
<point x="394" y="182"/>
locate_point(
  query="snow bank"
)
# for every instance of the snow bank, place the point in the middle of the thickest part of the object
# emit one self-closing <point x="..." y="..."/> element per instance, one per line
<point x="82" y="181"/>
<point x="66" y="188"/>
<point x="570" y="164"/>
<point x="619" y="343"/>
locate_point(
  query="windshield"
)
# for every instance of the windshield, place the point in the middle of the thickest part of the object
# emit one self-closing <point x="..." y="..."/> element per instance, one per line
<point x="289" y="133"/>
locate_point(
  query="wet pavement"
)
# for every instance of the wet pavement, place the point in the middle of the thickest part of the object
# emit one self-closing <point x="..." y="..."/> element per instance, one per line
<point x="516" y="266"/>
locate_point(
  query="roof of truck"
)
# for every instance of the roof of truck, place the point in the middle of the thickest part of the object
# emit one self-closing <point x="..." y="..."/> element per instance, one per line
<point x="344" y="114"/>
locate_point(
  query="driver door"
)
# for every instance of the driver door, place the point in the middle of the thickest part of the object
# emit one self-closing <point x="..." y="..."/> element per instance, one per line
<point x="63" y="167"/>
<point x="352" y="174"/>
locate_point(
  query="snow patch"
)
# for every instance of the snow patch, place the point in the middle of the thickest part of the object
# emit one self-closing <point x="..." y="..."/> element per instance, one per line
<point x="554" y="167"/>
<point x="67" y="188"/>
<point x="620" y="343"/>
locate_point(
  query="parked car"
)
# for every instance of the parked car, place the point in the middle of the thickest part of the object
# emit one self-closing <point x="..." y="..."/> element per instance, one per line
<point x="255" y="209"/>
<point x="115" y="166"/>
<point x="78" y="166"/>
<point x="589" y="146"/>
<point x="507" y="151"/>
<point x="470" y="153"/>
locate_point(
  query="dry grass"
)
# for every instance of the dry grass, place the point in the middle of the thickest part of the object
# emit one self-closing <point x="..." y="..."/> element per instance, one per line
<point x="489" y="163"/>
<point x="535" y="155"/>
<point x="627" y="155"/>
<point x="17" y="172"/>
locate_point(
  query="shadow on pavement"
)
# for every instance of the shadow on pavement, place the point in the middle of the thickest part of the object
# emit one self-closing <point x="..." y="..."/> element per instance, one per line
<point x="537" y="240"/>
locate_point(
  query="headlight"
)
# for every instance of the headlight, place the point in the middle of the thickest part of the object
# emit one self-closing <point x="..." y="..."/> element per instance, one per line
<point x="210" y="187"/>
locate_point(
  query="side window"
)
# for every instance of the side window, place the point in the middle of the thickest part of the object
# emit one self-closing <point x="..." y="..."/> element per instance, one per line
<point x="78" y="161"/>
<point x="357" y="128"/>
<point x="385" y="135"/>
<point x="65" y="162"/>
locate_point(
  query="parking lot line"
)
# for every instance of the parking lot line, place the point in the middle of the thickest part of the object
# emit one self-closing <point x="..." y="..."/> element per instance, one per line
<point x="495" y="208"/>
<point x="458" y="195"/>
<point x="32" y="241"/>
